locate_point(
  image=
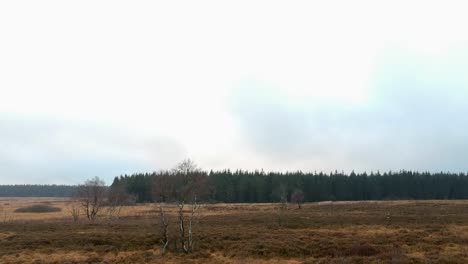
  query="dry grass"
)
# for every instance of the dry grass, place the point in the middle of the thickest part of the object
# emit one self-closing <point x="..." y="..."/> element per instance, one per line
<point x="9" y="205"/>
<point x="339" y="232"/>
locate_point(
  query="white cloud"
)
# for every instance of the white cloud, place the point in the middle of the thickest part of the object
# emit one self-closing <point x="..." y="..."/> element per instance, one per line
<point x="168" y="70"/>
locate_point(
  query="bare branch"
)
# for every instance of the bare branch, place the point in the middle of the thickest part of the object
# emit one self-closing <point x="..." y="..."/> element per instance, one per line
<point x="91" y="196"/>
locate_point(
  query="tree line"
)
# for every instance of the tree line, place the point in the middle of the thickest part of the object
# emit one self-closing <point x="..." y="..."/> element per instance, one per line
<point x="262" y="187"/>
<point x="259" y="186"/>
<point x="30" y="190"/>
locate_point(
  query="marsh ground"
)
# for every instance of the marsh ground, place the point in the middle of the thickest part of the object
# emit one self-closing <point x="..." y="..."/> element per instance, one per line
<point x="328" y="232"/>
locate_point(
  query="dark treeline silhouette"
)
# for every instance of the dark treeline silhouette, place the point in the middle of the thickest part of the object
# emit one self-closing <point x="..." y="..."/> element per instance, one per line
<point x="37" y="190"/>
<point x="259" y="187"/>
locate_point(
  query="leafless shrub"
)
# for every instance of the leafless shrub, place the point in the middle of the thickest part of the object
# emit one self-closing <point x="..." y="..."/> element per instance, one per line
<point x="91" y="196"/>
<point x="74" y="211"/>
<point x="118" y="197"/>
<point x="297" y="197"/>
<point x="5" y="217"/>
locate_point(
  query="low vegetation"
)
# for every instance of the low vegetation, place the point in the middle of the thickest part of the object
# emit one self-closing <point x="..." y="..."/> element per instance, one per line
<point x="329" y="232"/>
<point x="38" y="208"/>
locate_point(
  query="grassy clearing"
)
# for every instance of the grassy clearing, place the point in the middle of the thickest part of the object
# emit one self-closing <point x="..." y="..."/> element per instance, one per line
<point x="342" y="232"/>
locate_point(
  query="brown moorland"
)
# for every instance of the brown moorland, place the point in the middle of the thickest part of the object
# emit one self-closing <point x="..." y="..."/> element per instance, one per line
<point x="327" y="232"/>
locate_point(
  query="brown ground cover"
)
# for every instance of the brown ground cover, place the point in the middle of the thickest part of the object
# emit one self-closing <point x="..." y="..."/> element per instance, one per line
<point x="338" y="232"/>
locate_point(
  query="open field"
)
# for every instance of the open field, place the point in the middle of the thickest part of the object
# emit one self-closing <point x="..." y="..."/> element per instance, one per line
<point x="338" y="232"/>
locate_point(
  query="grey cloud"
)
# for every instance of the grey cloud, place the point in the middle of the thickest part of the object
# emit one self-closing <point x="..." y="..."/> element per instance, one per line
<point x="44" y="150"/>
<point x="416" y="118"/>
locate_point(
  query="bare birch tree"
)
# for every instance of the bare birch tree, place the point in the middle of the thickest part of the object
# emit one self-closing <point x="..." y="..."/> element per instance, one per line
<point x="282" y="194"/>
<point x="164" y="222"/>
<point x="183" y="186"/>
<point x="162" y="190"/>
<point x="192" y="184"/>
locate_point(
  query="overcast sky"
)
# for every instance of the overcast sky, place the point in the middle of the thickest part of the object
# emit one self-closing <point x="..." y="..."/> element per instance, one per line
<point x="102" y="88"/>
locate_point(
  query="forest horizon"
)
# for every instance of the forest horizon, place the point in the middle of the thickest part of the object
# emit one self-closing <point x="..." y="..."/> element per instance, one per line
<point x="242" y="186"/>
